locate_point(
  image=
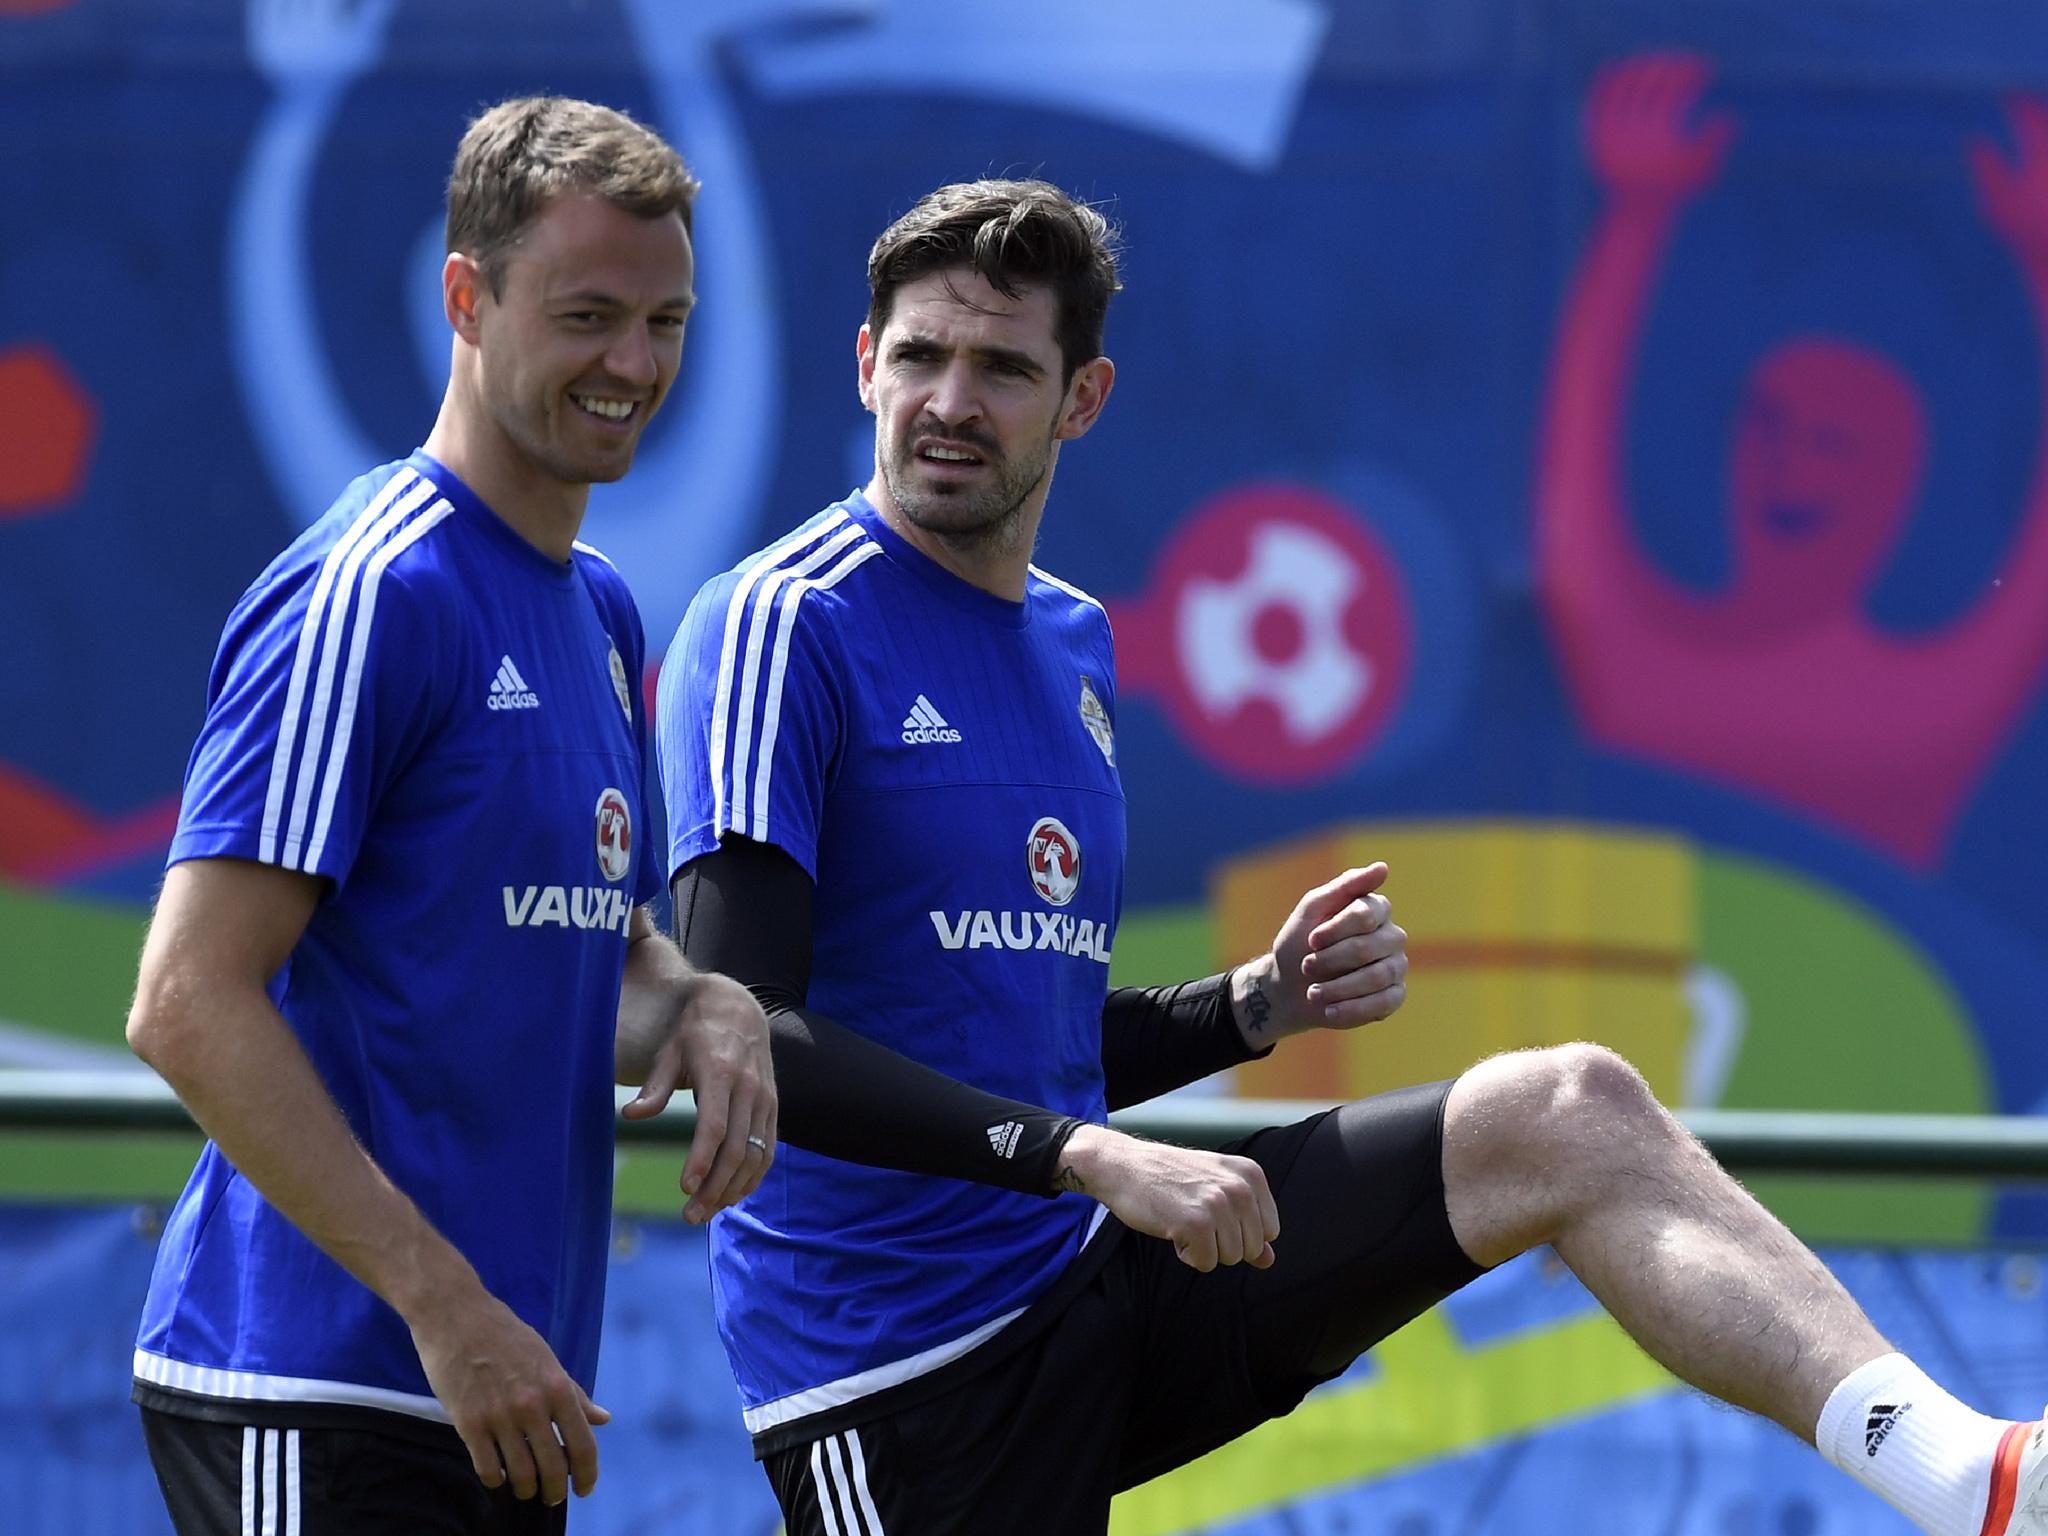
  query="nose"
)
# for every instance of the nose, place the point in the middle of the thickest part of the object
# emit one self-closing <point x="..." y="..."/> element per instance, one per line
<point x="630" y="358"/>
<point x="953" y="400"/>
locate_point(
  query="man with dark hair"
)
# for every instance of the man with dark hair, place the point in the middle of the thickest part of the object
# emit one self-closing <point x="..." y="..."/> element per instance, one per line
<point x="400" y="957"/>
<point x="960" y="1302"/>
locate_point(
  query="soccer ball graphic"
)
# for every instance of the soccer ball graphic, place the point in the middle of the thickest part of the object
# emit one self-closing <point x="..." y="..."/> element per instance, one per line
<point x="1277" y="634"/>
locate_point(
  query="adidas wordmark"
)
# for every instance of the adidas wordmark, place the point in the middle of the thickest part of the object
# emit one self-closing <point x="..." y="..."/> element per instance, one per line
<point x="509" y="690"/>
<point x="925" y="724"/>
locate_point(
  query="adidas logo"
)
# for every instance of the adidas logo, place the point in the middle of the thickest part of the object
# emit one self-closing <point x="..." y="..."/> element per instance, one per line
<point x="1003" y="1138"/>
<point x="925" y="724"/>
<point x="1882" y="1417"/>
<point x="509" y="690"/>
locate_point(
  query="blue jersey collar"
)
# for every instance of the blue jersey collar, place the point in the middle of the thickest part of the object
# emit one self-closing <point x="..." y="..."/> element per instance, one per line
<point x="942" y="582"/>
<point x="472" y="508"/>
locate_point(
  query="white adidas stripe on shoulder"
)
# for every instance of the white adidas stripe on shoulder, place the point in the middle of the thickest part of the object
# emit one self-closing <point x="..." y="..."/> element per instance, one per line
<point x="351" y="686"/>
<point x="402" y="493"/>
<point x="1065" y="586"/>
<point x="728" y="650"/>
<point x="348" y="579"/>
<point x="744" y="611"/>
<point x="771" y="722"/>
<point x="766" y="598"/>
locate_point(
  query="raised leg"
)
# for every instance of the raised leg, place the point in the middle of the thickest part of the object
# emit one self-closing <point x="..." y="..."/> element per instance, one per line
<point x="1567" y="1146"/>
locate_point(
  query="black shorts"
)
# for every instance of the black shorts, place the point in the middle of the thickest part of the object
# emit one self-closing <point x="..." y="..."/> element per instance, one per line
<point x="222" y="1479"/>
<point x="1151" y="1364"/>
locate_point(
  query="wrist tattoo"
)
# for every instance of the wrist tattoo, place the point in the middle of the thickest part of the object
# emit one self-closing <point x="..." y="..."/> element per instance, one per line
<point x="1257" y="1010"/>
<point x="1069" y="1181"/>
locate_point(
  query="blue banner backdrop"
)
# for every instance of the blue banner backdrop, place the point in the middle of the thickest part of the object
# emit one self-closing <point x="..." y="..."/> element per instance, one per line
<point x="1590" y="452"/>
<point x="1625" y="417"/>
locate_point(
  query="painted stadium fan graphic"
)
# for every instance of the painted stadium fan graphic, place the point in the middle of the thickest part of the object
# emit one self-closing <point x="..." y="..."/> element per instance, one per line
<point x="1136" y="64"/>
<point x="1778" y="682"/>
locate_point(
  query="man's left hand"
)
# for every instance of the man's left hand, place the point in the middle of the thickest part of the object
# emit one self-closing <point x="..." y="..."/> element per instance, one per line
<point x="718" y="1048"/>
<point x="1339" y="961"/>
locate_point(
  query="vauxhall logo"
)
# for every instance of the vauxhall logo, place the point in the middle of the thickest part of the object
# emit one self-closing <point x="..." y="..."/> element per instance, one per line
<point x="584" y="906"/>
<point x="1060" y="932"/>
<point x="1052" y="861"/>
<point x="571" y="906"/>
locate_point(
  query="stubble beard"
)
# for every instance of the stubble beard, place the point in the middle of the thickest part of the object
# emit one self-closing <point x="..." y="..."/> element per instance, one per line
<point x="982" y="523"/>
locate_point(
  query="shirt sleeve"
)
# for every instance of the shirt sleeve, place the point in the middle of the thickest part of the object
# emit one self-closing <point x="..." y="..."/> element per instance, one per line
<point x="748" y="719"/>
<point x="317" y="698"/>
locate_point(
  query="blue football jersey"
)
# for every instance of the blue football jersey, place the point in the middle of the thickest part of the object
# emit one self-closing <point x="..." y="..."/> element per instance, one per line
<point x="942" y="762"/>
<point x="417" y="705"/>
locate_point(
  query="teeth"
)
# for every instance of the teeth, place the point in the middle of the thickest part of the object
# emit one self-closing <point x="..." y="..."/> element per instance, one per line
<point x="610" y="410"/>
<point x="949" y="455"/>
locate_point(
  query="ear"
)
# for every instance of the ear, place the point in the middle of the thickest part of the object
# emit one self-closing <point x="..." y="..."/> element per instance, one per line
<point x="864" y="354"/>
<point x="1086" y="395"/>
<point x="462" y="292"/>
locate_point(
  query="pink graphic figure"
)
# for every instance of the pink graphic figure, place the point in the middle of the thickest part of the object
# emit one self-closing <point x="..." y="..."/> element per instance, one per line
<point x="1779" y="684"/>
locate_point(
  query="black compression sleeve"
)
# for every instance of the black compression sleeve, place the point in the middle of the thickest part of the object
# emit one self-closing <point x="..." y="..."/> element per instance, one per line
<point x="1159" y="1038"/>
<point x="745" y="909"/>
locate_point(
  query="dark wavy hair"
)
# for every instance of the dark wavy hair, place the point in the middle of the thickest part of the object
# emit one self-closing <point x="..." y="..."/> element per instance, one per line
<point x="1012" y="233"/>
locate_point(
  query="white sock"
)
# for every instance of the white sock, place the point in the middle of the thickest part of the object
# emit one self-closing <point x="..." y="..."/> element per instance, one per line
<point x="1914" y="1445"/>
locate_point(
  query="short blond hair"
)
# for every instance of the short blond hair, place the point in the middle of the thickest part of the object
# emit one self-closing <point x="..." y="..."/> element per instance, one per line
<point x="521" y="155"/>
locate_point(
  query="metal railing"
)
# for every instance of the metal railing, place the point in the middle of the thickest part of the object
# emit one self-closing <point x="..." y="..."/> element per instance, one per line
<point x="1952" y="1146"/>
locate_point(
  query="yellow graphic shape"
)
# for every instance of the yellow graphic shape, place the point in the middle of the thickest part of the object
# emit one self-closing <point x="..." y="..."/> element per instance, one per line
<point x="1432" y="1398"/>
<point x="1520" y="934"/>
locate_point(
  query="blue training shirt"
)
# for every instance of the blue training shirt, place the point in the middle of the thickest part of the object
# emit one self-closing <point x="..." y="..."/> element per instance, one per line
<point x="420" y="707"/>
<point x="941" y="761"/>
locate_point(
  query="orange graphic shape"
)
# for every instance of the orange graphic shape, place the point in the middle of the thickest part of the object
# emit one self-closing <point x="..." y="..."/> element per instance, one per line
<point x="47" y="423"/>
<point x="1525" y="934"/>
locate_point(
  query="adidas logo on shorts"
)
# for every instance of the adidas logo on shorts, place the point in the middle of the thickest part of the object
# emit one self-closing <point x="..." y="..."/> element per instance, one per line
<point x="1003" y="1138"/>
<point x="925" y="724"/>
<point x="1883" y="1416"/>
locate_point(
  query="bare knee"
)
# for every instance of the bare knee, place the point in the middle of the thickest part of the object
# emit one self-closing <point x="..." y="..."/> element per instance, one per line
<point x="1559" y="1093"/>
<point x="1530" y="1137"/>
